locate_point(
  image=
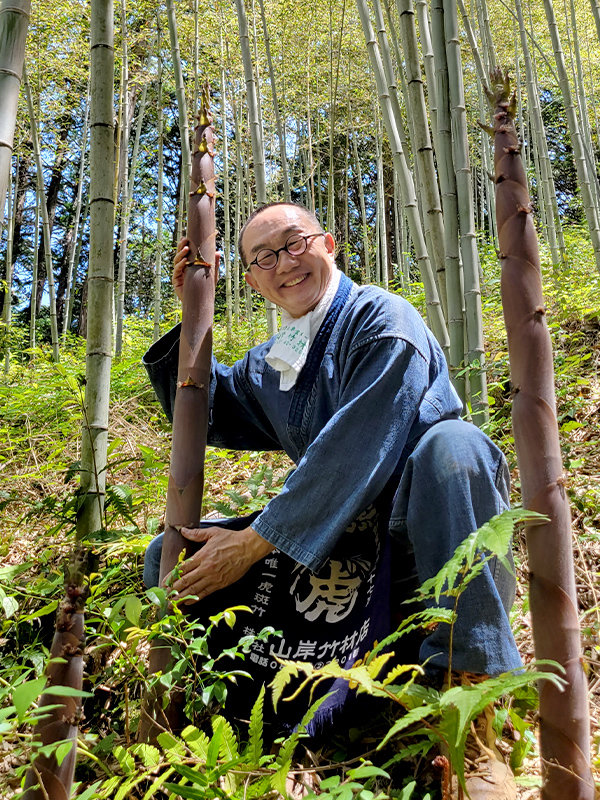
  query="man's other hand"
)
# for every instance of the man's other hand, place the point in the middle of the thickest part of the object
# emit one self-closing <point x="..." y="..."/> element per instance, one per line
<point x="180" y="262"/>
<point x="226" y="556"/>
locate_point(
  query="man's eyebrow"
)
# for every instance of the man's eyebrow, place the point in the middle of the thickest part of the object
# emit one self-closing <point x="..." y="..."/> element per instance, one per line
<point x="262" y="246"/>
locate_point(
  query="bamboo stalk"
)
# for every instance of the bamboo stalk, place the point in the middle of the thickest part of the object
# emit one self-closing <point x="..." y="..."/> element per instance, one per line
<point x="7" y="310"/>
<point x="14" y="20"/>
<point x="159" y="184"/>
<point x="190" y="416"/>
<point x="434" y="309"/>
<point x="45" y="220"/>
<point x="581" y="163"/>
<point x="564" y="717"/>
<point x="68" y="304"/>
<point x="48" y="779"/>
<point x="468" y="244"/>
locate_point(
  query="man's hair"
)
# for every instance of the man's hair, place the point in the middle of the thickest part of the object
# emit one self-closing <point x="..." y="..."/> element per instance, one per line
<point x="302" y="209"/>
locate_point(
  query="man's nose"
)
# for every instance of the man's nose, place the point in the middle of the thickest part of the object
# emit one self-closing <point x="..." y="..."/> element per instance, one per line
<point x="286" y="261"/>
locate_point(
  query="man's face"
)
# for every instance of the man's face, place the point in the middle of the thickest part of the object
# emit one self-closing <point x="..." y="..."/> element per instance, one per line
<point x="297" y="283"/>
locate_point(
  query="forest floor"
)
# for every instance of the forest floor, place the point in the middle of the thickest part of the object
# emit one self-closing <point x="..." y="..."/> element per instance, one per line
<point x="39" y="449"/>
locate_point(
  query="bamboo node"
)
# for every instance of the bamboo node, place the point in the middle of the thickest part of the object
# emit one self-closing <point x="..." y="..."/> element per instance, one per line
<point x="199" y="191"/>
<point x="539" y="312"/>
<point x="71" y="651"/>
<point x="527" y="209"/>
<point x="189" y="381"/>
<point x="513" y="149"/>
<point x="488" y="129"/>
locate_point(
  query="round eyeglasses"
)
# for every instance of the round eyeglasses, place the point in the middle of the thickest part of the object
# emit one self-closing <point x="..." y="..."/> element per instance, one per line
<point x="295" y="246"/>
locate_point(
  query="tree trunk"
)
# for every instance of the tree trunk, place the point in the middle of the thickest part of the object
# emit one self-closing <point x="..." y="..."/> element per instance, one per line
<point x="564" y="718"/>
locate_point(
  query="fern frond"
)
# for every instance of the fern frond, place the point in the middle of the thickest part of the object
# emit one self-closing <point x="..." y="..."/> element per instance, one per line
<point x="284" y="757"/>
<point x="254" y="751"/>
<point x="401" y="669"/>
<point x="197" y="741"/>
<point x="212" y="754"/>
<point x="375" y="665"/>
<point x="412" y="716"/>
<point x="288" y="671"/>
<point x="418" y="621"/>
<point x="228" y="748"/>
<point x="493" y="539"/>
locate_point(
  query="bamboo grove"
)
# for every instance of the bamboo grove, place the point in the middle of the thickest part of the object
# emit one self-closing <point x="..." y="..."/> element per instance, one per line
<point x="364" y="110"/>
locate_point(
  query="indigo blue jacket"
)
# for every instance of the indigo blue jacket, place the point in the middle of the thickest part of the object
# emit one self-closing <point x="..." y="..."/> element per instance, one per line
<point x="375" y="380"/>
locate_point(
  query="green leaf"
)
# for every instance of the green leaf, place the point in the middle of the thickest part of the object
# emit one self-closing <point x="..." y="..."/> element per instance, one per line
<point x="197" y="777"/>
<point x="24" y="695"/>
<point x="49" y="608"/>
<point x="196" y="740"/>
<point x="67" y="691"/>
<point x="367" y="770"/>
<point x="63" y="750"/>
<point x="10" y="606"/>
<point x="125" y="760"/>
<point x="171" y="746"/>
<point x="133" y="609"/>
<point x="147" y="754"/>
<point x="255" y="730"/>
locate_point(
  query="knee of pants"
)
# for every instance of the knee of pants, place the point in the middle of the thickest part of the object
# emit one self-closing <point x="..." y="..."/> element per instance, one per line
<point x="152" y="562"/>
<point x="451" y="458"/>
<point x="454" y="447"/>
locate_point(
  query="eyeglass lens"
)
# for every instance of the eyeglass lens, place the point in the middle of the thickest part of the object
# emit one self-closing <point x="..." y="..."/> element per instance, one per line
<point x="295" y="245"/>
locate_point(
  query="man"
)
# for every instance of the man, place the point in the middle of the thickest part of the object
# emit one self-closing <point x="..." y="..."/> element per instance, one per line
<point x="355" y="389"/>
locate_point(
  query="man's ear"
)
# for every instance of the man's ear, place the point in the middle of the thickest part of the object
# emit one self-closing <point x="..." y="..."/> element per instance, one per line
<point x="329" y="243"/>
<point x="250" y="280"/>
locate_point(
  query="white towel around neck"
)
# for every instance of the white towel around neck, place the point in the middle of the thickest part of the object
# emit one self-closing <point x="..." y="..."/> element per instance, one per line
<point x="290" y="349"/>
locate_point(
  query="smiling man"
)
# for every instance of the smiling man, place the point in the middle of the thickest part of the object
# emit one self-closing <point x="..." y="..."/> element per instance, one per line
<point x="388" y="479"/>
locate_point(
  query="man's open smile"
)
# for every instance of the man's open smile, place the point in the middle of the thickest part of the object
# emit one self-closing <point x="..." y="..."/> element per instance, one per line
<point x="295" y="281"/>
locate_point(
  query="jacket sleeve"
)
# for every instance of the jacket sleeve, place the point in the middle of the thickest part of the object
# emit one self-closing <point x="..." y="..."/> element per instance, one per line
<point x="236" y="420"/>
<point x="348" y="465"/>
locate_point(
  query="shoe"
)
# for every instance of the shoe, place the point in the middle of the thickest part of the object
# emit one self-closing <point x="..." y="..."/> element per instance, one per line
<point x="487" y="775"/>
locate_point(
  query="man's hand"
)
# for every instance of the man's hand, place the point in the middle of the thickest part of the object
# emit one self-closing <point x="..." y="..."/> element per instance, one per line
<point x="226" y="556"/>
<point x="180" y="263"/>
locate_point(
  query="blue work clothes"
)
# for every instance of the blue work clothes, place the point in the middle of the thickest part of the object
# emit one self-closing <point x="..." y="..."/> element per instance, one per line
<point x="374" y="385"/>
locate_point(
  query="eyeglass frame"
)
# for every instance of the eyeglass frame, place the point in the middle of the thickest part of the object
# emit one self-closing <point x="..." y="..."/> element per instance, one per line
<point x="305" y="236"/>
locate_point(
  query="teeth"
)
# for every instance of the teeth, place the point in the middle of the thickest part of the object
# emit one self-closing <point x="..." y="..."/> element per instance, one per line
<point x="297" y="280"/>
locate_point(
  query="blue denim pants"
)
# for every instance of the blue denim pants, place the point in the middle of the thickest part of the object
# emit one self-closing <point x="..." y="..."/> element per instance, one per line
<point x="455" y="480"/>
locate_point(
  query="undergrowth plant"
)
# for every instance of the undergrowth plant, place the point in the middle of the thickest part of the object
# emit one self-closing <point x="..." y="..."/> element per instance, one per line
<point x="38" y="448"/>
<point x="210" y="758"/>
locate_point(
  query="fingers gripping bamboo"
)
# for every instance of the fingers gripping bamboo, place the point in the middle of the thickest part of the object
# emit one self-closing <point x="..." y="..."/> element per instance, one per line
<point x="564" y="716"/>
